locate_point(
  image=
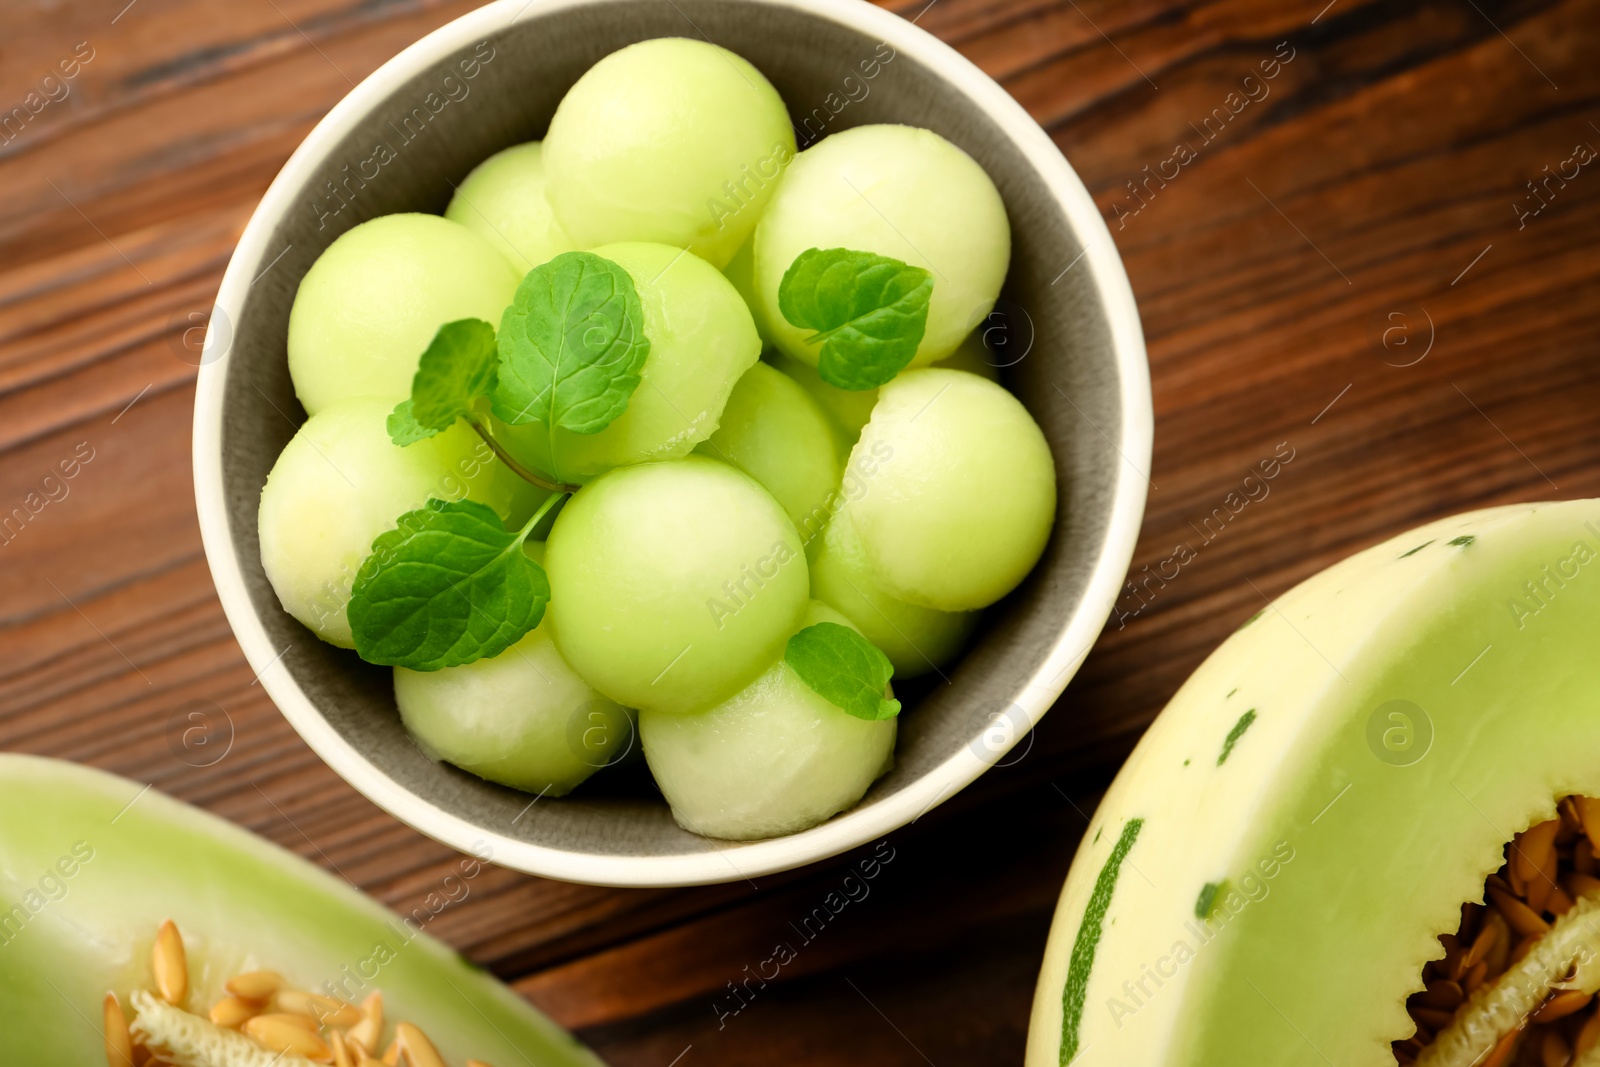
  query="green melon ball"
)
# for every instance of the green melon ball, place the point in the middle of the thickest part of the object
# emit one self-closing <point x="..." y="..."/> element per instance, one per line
<point x="972" y="356"/>
<point x="773" y="431"/>
<point x="775" y="758"/>
<point x="503" y="201"/>
<point x="523" y="718"/>
<point x="340" y="482"/>
<point x="900" y="192"/>
<point x="371" y="303"/>
<point x="670" y="140"/>
<point x="673" y="584"/>
<point x="961" y="508"/>
<point x="849" y="409"/>
<point x="741" y="272"/>
<point x="916" y="639"/>
<point x="701" y="341"/>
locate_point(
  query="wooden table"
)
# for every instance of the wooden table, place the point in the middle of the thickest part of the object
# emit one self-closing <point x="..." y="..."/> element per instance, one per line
<point x="1348" y="264"/>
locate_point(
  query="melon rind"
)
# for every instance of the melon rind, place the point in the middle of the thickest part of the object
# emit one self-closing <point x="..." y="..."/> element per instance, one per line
<point x="1331" y="862"/>
<point x="241" y="903"/>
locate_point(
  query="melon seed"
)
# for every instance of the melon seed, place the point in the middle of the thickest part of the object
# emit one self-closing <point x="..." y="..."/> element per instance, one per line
<point x="169" y="964"/>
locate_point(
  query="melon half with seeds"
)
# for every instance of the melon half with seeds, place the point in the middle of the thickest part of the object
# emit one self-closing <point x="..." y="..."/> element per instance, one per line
<point x="135" y="930"/>
<point x="1362" y="833"/>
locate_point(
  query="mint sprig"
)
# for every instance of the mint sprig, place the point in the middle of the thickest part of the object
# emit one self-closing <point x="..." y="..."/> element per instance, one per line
<point x="449" y="585"/>
<point x="869" y="311"/>
<point x="457" y="369"/>
<point x="843" y="668"/>
<point x="571" y="345"/>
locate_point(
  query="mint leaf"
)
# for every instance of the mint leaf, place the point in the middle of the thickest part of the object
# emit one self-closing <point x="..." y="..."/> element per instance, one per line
<point x="449" y="585"/>
<point x="403" y="427"/>
<point x="844" y="668"/>
<point x="457" y="369"/>
<point x="869" y="311"/>
<point x="571" y="345"/>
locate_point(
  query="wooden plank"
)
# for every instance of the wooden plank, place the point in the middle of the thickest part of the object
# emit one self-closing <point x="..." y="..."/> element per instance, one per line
<point x="1374" y="177"/>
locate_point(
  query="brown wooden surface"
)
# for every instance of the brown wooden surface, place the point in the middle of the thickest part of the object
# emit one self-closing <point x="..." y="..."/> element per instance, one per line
<point x="1377" y="177"/>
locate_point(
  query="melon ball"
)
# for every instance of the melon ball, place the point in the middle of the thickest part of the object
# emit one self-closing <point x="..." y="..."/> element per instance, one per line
<point x="915" y="638"/>
<point x="962" y="508"/>
<point x="673" y="584"/>
<point x="849" y="409"/>
<point x="340" y="482"/>
<point x="773" y="431"/>
<point x="370" y="305"/>
<point x="773" y="759"/>
<point x="973" y="356"/>
<point x="523" y="718"/>
<point x="899" y="192"/>
<point x="670" y="140"/>
<point x="701" y="341"/>
<point x="741" y="272"/>
<point x="503" y="201"/>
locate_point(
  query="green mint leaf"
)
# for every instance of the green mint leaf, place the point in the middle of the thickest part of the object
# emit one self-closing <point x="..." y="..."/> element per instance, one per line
<point x="869" y="312"/>
<point x="403" y="427"/>
<point x="457" y="369"/>
<point x="449" y="585"/>
<point x="844" y="668"/>
<point x="571" y="345"/>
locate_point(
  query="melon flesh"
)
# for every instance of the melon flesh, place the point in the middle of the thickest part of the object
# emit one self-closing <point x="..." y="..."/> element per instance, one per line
<point x="137" y="857"/>
<point x="1328" y="788"/>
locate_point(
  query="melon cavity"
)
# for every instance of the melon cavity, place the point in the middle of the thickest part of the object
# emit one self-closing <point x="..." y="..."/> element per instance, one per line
<point x="186" y="1040"/>
<point x="93" y="867"/>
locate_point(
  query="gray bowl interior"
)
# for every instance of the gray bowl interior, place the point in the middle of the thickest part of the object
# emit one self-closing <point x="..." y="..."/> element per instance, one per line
<point x="519" y="75"/>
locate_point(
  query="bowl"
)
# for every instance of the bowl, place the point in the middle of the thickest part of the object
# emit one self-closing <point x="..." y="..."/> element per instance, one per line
<point x="491" y="79"/>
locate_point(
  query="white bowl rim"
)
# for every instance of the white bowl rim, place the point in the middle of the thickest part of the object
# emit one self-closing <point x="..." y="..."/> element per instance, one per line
<point x="727" y="861"/>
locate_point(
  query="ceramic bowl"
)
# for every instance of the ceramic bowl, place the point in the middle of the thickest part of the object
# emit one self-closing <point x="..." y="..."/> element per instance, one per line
<point x="492" y="79"/>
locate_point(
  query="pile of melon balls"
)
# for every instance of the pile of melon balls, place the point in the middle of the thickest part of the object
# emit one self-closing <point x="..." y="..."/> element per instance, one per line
<point x="739" y="498"/>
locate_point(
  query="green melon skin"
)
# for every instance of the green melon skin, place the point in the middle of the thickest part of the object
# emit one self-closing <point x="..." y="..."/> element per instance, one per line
<point x="137" y="857"/>
<point x="1344" y="830"/>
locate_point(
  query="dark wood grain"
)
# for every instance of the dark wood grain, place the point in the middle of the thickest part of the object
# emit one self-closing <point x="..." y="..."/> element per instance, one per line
<point x="1375" y="176"/>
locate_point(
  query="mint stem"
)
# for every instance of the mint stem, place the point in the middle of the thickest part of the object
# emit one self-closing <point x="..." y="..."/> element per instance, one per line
<point x="544" y="509"/>
<point x="518" y="469"/>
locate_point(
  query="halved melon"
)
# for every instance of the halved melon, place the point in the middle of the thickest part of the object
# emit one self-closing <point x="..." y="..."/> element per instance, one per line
<point x="1271" y="871"/>
<point x="92" y="865"/>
